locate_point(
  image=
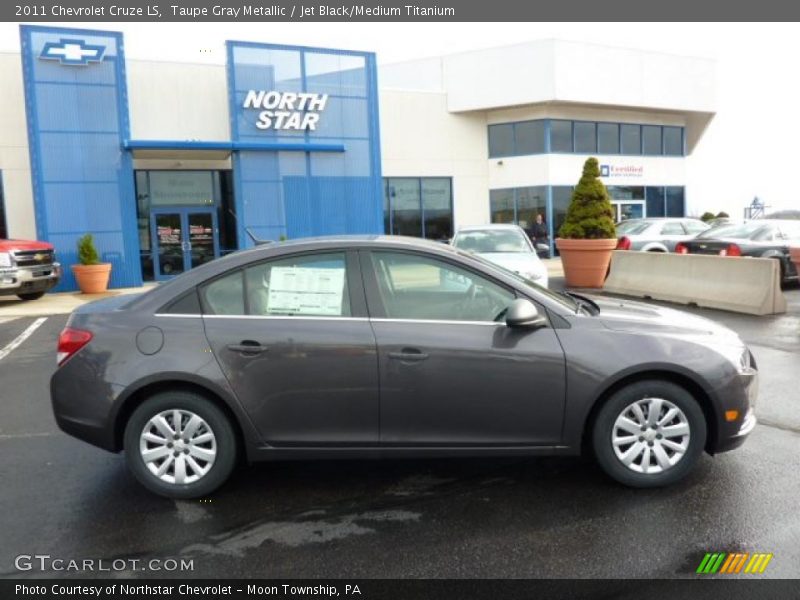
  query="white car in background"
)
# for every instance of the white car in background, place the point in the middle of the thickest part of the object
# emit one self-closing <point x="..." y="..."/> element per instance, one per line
<point x="505" y="245"/>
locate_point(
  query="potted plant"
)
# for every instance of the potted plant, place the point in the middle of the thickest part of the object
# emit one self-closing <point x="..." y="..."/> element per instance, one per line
<point x="588" y="236"/>
<point x="794" y="253"/>
<point x="92" y="275"/>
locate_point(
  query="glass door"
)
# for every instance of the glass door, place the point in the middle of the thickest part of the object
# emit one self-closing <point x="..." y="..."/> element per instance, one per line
<point x="182" y="238"/>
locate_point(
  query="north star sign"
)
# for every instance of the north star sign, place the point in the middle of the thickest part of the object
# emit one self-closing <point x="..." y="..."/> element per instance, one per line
<point x="286" y="110"/>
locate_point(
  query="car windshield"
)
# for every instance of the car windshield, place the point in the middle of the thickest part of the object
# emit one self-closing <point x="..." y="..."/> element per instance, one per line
<point x="741" y="231"/>
<point x="487" y="241"/>
<point x="632" y="227"/>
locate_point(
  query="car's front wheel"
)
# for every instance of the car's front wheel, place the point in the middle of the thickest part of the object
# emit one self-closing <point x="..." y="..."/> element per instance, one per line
<point x="180" y="444"/>
<point x="649" y="434"/>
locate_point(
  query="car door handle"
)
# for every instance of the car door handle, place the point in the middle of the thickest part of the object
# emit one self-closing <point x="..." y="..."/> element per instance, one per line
<point x="248" y="347"/>
<point x="408" y="355"/>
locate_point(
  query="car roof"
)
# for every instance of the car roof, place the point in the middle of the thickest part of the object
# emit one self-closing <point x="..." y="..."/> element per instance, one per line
<point x="491" y="226"/>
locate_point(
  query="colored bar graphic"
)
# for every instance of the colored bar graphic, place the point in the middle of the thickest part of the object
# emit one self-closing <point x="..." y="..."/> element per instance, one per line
<point x="732" y="563"/>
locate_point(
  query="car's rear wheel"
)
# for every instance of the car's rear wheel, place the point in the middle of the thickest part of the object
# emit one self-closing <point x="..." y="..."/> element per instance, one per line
<point x="32" y="296"/>
<point x="180" y="445"/>
<point x="649" y="434"/>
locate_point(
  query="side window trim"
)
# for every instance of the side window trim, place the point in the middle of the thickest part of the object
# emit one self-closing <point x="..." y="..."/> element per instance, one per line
<point x="375" y="304"/>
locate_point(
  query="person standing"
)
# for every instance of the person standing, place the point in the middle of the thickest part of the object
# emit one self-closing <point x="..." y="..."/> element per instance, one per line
<point x="539" y="235"/>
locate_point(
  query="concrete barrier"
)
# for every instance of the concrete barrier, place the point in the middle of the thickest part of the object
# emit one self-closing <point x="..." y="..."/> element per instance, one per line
<point x="738" y="284"/>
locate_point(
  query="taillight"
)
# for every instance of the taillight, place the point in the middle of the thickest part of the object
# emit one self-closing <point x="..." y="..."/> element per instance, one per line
<point x="681" y="248"/>
<point x="731" y="250"/>
<point x="70" y="341"/>
<point x="624" y="243"/>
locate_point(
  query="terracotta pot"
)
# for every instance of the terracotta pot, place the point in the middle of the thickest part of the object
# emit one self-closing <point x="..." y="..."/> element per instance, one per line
<point x="794" y="252"/>
<point x="92" y="279"/>
<point x="585" y="261"/>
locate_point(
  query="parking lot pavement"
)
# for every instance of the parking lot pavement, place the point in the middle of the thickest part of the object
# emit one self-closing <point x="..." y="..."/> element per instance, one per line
<point x="434" y="518"/>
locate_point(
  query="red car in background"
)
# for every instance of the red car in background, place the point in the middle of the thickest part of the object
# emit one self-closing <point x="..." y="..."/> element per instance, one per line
<point x="27" y="269"/>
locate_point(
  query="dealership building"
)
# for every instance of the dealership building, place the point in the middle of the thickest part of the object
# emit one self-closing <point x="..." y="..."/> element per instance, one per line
<point x="171" y="164"/>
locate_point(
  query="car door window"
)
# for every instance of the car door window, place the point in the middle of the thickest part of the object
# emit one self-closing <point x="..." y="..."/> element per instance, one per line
<point x="303" y="285"/>
<point x="672" y="229"/>
<point x="311" y="285"/>
<point x="421" y="288"/>
<point x="694" y="227"/>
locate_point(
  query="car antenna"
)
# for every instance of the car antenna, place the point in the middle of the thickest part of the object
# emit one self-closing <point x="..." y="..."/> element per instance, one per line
<point x="257" y="241"/>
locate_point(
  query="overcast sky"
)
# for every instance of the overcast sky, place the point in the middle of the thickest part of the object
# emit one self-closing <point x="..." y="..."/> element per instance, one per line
<point x="748" y="150"/>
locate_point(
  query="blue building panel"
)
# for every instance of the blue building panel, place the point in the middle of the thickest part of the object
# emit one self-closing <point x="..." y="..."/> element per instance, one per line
<point x="304" y="193"/>
<point x="76" y="101"/>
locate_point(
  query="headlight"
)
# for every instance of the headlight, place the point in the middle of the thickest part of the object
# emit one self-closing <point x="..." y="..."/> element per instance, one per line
<point x="531" y="276"/>
<point x="5" y="259"/>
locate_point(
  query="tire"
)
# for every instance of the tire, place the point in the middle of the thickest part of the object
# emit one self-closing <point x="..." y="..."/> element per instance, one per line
<point x="665" y="465"/>
<point x="221" y="446"/>
<point x="31" y="296"/>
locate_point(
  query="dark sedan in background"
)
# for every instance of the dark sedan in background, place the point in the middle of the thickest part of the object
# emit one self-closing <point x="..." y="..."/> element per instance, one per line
<point x="760" y="238"/>
<point x="371" y="347"/>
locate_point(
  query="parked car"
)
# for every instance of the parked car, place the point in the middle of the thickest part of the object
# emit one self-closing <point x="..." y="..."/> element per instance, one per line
<point x="659" y="234"/>
<point x="28" y="269"/>
<point x="506" y="245"/>
<point x="392" y="347"/>
<point x="759" y="238"/>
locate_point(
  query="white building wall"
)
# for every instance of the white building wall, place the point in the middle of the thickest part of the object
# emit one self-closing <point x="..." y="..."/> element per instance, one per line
<point x="14" y="158"/>
<point x="420" y="138"/>
<point x="177" y="101"/>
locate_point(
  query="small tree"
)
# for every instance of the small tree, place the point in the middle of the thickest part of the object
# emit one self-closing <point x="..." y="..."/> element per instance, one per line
<point x="87" y="252"/>
<point x="722" y="215"/>
<point x="707" y="216"/>
<point x="590" y="215"/>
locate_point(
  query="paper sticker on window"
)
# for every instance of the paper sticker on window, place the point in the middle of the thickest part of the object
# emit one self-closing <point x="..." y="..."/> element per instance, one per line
<point x="306" y="291"/>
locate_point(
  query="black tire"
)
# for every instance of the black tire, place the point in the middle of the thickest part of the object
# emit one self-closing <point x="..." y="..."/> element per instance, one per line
<point x="604" y="425"/>
<point x="31" y="296"/>
<point x="219" y="424"/>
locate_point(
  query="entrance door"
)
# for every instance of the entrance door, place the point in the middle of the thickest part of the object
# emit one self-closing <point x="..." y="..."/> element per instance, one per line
<point x="624" y="210"/>
<point x="183" y="238"/>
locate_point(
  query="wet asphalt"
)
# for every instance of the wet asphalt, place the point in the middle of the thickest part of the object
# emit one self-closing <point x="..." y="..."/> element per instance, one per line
<point x="549" y="517"/>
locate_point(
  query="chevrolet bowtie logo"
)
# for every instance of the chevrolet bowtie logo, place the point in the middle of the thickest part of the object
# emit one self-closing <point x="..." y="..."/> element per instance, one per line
<point x="40" y="257"/>
<point x="72" y="52"/>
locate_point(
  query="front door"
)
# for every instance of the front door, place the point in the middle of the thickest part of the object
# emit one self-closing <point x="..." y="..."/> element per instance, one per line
<point x="451" y="371"/>
<point x="182" y="238"/>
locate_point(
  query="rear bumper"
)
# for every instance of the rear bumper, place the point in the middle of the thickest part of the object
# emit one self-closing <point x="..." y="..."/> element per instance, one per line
<point x="29" y="280"/>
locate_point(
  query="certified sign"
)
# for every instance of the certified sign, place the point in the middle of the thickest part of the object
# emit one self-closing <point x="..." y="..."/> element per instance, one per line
<point x="286" y="110"/>
<point x="621" y="171"/>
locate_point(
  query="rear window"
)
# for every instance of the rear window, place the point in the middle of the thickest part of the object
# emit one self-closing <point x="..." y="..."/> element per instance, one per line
<point x="632" y="227"/>
<point x="742" y="231"/>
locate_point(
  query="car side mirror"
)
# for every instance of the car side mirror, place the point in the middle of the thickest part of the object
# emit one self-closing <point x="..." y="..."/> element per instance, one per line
<point x="522" y="313"/>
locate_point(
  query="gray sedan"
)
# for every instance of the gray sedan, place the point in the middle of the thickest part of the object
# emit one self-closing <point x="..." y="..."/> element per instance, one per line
<point x="657" y="234"/>
<point x="384" y="347"/>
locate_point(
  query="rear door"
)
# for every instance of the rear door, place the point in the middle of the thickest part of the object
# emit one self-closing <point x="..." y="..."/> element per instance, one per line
<point x="452" y="373"/>
<point x="293" y="339"/>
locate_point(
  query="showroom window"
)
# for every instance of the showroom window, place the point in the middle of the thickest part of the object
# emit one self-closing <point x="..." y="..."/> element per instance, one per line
<point x="675" y="201"/>
<point x="518" y="205"/>
<point x="3" y="226"/>
<point x="562" y="196"/>
<point x="416" y="287"/>
<point x="419" y="207"/>
<point x="655" y="201"/>
<point x="561" y="136"/>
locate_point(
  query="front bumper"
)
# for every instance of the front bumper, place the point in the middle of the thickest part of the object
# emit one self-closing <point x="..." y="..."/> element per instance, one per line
<point x="733" y="434"/>
<point x="29" y="280"/>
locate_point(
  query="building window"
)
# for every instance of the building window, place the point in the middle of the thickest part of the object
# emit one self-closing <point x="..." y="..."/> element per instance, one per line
<point x="631" y="139"/>
<point x="608" y="138"/>
<point x="676" y="206"/>
<point x="651" y="140"/>
<point x="419" y="207"/>
<point x="673" y="141"/>
<point x="625" y="192"/>
<point x="3" y="226"/>
<point x="501" y="206"/>
<point x="655" y="201"/>
<point x="585" y="138"/>
<point x="529" y="137"/>
<point x="561" y="136"/>
<point x="501" y="140"/>
<point x="562" y="196"/>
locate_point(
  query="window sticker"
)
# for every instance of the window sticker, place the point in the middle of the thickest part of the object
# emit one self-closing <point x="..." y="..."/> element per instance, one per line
<point x="306" y="291"/>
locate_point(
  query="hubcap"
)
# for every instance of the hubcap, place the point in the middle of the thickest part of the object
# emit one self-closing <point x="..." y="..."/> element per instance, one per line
<point x="178" y="446"/>
<point x="650" y="435"/>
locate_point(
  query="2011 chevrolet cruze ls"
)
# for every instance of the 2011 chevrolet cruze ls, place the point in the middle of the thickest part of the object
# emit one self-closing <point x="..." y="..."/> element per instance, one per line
<point x="357" y="347"/>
